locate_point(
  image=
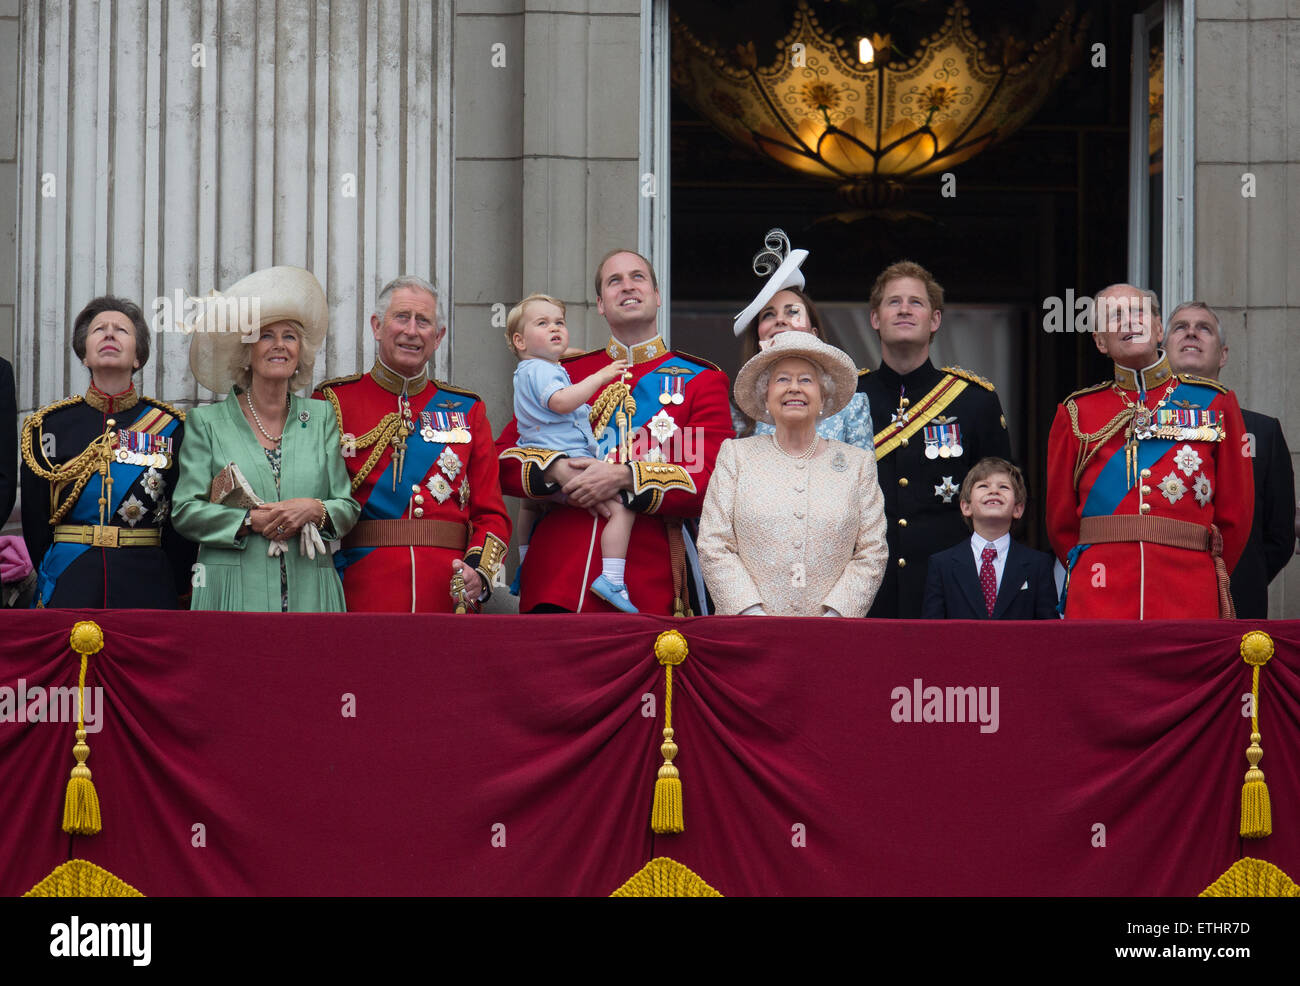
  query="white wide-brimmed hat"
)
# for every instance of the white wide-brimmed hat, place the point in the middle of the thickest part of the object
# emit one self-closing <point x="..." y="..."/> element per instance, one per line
<point x="274" y="294"/>
<point x="803" y="345"/>
<point x="777" y="259"/>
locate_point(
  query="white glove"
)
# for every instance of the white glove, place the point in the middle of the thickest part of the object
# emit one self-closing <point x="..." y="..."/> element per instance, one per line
<point x="755" y="610"/>
<point x="275" y="549"/>
<point x="311" y="541"/>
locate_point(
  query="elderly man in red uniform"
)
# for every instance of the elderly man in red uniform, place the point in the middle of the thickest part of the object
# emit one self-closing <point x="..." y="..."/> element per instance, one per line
<point x="423" y="468"/>
<point x="1149" y="492"/>
<point x="658" y="433"/>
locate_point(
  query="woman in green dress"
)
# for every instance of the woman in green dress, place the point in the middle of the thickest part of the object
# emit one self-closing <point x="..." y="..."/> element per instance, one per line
<point x="270" y="555"/>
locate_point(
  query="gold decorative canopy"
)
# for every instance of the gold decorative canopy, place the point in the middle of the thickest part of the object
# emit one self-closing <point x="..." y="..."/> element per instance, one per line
<point x="869" y="127"/>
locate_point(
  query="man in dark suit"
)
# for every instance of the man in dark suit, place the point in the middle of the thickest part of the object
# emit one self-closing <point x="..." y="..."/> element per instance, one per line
<point x="931" y="424"/>
<point x="990" y="576"/>
<point x="1196" y="344"/>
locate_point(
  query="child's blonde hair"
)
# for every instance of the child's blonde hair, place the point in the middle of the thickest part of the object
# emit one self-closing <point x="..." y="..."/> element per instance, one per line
<point x="515" y="320"/>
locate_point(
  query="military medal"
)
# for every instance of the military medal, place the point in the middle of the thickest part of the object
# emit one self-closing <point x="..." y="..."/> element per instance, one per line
<point x="665" y="391"/>
<point x="1142" y="418"/>
<point x="426" y="426"/>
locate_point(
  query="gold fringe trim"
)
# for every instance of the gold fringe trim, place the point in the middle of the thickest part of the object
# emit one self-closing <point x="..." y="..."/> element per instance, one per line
<point x="664" y="877"/>
<point x="81" y="878"/>
<point x="1249" y="877"/>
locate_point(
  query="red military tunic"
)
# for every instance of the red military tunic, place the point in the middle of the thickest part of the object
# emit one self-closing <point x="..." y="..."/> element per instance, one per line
<point x="682" y="415"/>
<point x="1106" y="458"/>
<point x="448" y="473"/>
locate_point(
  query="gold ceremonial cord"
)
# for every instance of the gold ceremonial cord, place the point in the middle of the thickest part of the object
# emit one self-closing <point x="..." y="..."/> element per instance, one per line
<point x="604" y="406"/>
<point x="1090" y="445"/>
<point x="77" y="471"/>
<point x="380" y="436"/>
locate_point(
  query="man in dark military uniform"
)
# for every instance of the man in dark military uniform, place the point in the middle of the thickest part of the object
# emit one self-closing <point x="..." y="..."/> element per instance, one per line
<point x="931" y="426"/>
<point x="1196" y="345"/>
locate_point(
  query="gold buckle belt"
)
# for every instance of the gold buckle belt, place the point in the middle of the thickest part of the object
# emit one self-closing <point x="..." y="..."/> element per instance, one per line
<point x="103" y="536"/>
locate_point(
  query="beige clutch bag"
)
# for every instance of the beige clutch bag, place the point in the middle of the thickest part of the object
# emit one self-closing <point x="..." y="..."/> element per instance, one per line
<point x="229" y="487"/>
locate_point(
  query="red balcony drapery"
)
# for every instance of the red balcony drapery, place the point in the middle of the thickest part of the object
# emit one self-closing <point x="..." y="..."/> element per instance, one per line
<point x="517" y="755"/>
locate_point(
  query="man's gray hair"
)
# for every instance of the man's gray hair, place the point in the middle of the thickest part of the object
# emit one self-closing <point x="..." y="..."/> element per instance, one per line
<point x="765" y="378"/>
<point x="410" y="281"/>
<point x="1223" y="339"/>
<point x="1144" y="292"/>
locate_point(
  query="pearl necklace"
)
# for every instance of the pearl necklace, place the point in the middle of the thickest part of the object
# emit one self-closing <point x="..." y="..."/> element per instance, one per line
<point x="248" y="397"/>
<point x="805" y="454"/>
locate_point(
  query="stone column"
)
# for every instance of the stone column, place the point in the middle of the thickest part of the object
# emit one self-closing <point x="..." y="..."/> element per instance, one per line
<point x="1248" y="209"/>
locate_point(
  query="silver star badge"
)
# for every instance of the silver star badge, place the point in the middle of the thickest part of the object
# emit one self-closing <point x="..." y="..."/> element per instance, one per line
<point x="947" y="489"/>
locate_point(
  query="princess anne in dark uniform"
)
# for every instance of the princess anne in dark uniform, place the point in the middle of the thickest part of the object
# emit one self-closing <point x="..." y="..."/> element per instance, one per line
<point x="97" y="478"/>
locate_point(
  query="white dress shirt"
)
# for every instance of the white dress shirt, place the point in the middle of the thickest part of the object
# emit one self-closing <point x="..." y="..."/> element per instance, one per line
<point x="1002" y="544"/>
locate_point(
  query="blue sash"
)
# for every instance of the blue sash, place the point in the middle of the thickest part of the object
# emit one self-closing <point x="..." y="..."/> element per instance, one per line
<point x="1111" y="485"/>
<point x="85" y="511"/>
<point x="646" y="394"/>
<point x="387" y="503"/>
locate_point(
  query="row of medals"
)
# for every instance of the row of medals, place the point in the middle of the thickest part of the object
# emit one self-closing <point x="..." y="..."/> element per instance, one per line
<point x="1144" y="430"/>
<point x="158" y="460"/>
<point x="937" y="451"/>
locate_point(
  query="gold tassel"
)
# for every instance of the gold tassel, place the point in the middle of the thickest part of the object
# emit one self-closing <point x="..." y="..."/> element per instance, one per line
<point x="81" y="803"/>
<point x="666" y="817"/>
<point x="1256" y="810"/>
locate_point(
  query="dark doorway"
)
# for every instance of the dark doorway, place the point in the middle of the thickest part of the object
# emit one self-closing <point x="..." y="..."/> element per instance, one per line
<point x="1040" y="214"/>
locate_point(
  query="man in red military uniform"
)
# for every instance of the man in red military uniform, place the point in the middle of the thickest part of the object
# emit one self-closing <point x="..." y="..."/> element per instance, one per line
<point x="658" y="432"/>
<point x="1149" y="491"/>
<point x="423" y="469"/>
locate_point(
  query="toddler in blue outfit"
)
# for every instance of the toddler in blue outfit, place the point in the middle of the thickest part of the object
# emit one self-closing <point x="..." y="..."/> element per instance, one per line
<point x="552" y="413"/>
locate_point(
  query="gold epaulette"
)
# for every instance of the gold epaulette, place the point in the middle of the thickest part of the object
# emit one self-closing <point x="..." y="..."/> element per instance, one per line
<point x="1203" y="381"/>
<point x="864" y="371"/>
<point x="441" y="385"/>
<point x="171" y="409"/>
<point x="32" y="423"/>
<point x="958" y="371"/>
<point x="350" y="378"/>
<point x="1105" y="385"/>
<point x="707" y="364"/>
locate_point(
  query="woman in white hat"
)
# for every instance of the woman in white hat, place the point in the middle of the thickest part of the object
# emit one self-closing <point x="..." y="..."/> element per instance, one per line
<point x="262" y="540"/>
<point x="793" y="523"/>
<point x="784" y="306"/>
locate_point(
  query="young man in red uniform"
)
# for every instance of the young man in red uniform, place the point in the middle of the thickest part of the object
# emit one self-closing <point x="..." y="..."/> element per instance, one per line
<point x="1149" y="487"/>
<point x="658" y="434"/>
<point x="423" y="468"/>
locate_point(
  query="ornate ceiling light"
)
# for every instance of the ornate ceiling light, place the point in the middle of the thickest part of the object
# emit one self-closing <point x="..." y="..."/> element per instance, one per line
<point x="853" y="114"/>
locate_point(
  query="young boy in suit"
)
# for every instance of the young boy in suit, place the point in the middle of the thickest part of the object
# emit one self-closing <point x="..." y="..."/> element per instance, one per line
<point x="990" y="577"/>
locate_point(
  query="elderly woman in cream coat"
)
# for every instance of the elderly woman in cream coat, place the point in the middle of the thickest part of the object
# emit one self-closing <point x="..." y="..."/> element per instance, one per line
<point x="793" y="523"/>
